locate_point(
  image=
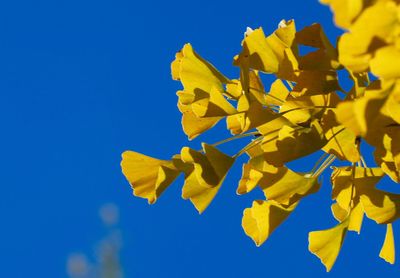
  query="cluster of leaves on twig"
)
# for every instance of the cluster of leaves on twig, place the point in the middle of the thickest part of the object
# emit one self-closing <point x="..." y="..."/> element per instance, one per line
<point x="303" y="111"/>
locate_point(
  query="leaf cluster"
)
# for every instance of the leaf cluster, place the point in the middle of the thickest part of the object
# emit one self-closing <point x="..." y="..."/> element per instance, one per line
<point x="303" y="111"/>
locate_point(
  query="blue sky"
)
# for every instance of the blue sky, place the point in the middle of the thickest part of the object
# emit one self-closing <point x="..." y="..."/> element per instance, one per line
<point x="82" y="81"/>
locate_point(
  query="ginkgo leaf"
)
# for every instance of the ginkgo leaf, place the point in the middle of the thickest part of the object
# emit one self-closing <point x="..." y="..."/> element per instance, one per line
<point x="388" y="248"/>
<point x="363" y="114"/>
<point x="250" y="106"/>
<point x="386" y="62"/>
<point x="263" y="218"/>
<point x="349" y="182"/>
<point x="345" y="11"/>
<point x="286" y="186"/>
<point x="279" y="184"/>
<point x="341" y="141"/>
<point x="325" y="57"/>
<point x="356" y="218"/>
<point x="253" y="172"/>
<point x="386" y="161"/>
<point x="312" y="82"/>
<point x="282" y="40"/>
<point x="392" y="105"/>
<point x="148" y="176"/>
<point x="250" y="179"/>
<point x="268" y="53"/>
<point x="326" y="244"/>
<point x="203" y="88"/>
<point x="258" y="52"/>
<point x="338" y="212"/>
<point x="204" y="174"/>
<point x="194" y="72"/>
<point x="293" y="142"/>
<point x="370" y="31"/>
<point x="380" y="206"/>
<point x="251" y="115"/>
<point x="214" y="106"/>
<point x="303" y="109"/>
<point x="192" y="125"/>
<point x="277" y="94"/>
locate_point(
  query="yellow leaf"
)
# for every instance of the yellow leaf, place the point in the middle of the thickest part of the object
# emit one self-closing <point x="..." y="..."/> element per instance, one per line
<point x="380" y="206"/>
<point x="356" y="216"/>
<point x="345" y="11"/>
<point x="192" y="125"/>
<point x="393" y="104"/>
<point x="325" y="57"/>
<point x="363" y="115"/>
<point x="292" y="143"/>
<point x="148" y="176"/>
<point x="204" y="175"/>
<point x="388" y="249"/>
<point x="267" y="53"/>
<point x="326" y="244"/>
<point x="313" y="82"/>
<point x="386" y="62"/>
<point x="287" y="187"/>
<point x="348" y="185"/>
<point x="369" y="32"/>
<point x="263" y="218"/>
<point x="302" y="109"/>
<point x="214" y="106"/>
<point x="338" y="212"/>
<point x="194" y="72"/>
<point x="277" y="94"/>
<point x="203" y="92"/>
<point x="341" y="140"/>
<point x="260" y="54"/>
<point x="386" y="160"/>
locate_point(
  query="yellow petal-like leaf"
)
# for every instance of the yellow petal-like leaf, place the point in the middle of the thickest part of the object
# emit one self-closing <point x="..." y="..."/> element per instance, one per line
<point x="287" y="187"/>
<point x="386" y="62"/>
<point x="277" y="94"/>
<point x="261" y="56"/>
<point x="263" y="218"/>
<point x="348" y="185"/>
<point x="216" y="105"/>
<point x="380" y="206"/>
<point x="205" y="174"/>
<point x="341" y="140"/>
<point x="345" y="11"/>
<point x="195" y="73"/>
<point x="292" y="143"/>
<point x="388" y="248"/>
<point x="326" y="244"/>
<point x="148" y="176"/>
<point x="192" y="125"/>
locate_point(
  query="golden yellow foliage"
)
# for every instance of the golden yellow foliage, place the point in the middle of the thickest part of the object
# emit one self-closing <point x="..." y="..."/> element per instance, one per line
<point x="303" y="111"/>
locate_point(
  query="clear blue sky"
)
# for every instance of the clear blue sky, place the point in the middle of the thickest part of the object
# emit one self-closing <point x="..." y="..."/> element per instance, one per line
<point x="82" y="81"/>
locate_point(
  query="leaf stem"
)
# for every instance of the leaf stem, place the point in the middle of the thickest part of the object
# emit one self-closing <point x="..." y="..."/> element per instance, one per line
<point x="235" y="137"/>
<point x="324" y="165"/>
